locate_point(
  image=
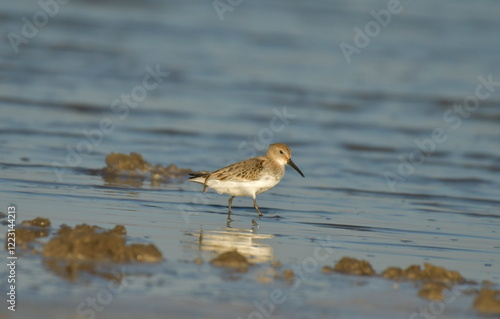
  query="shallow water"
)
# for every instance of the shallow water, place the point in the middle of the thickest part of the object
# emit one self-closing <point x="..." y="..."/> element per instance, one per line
<point x="269" y="72"/>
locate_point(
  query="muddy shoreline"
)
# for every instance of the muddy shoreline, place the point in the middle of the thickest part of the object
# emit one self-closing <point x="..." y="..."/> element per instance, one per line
<point x="70" y="252"/>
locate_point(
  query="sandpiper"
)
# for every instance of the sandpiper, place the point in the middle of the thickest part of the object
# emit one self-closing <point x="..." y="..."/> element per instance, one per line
<point x="249" y="177"/>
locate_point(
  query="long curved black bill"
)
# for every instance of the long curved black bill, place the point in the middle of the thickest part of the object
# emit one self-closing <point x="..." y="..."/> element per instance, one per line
<point x="292" y="164"/>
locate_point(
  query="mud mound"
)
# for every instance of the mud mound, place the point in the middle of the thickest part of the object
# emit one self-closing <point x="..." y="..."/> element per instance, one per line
<point x="348" y="265"/>
<point x="132" y="169"/>
<point x="92" y="243"/>
<point x="429" y="273"/>
<point x="28" y="232"/>
<point x="231" y="259"/>
<point x="488" y="301"/>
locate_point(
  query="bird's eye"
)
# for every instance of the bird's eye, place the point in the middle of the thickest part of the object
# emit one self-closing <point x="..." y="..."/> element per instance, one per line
<point x="281" y="152"/>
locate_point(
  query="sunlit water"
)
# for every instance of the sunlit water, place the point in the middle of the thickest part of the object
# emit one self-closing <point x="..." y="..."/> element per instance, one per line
<point x="395" y="173"/>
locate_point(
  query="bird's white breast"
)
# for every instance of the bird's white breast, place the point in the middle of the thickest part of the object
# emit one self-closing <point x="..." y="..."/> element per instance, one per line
<point x="246" y="188"/>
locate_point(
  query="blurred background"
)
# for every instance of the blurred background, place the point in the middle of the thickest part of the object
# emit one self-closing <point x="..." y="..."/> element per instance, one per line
<point x="391" y="109"/>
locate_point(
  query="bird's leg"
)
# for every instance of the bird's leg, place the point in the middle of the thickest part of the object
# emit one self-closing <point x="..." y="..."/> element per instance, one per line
<point x="255" y="206"/>
<point x="229" y="204"/>
<point x="205" y="184"/>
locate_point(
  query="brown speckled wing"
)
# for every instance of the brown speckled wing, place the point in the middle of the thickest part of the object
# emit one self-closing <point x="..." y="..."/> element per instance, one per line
<point x="247" y="170"/>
